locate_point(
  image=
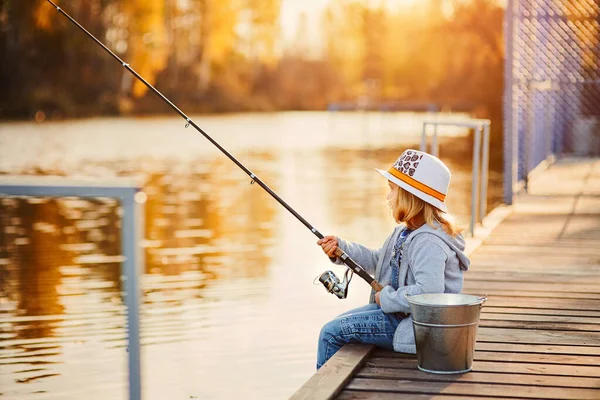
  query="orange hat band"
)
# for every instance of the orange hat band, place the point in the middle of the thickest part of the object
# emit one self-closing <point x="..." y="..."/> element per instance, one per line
<point x="417" y="185"/>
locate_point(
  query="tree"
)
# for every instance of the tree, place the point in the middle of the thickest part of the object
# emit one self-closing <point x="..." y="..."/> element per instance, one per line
<point x="43" y="63"/>
<point x="147" y="45"/>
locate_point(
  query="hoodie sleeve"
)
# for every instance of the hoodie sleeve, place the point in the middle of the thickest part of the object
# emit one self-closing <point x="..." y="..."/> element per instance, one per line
<point x="427" y="261"/>
<point x="365" y="257"/>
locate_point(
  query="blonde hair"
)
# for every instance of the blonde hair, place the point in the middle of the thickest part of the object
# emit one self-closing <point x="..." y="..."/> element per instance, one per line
<point x="405" y="206"/>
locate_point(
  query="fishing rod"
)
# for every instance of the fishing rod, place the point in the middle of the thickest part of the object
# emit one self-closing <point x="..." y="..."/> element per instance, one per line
<point x="328" y="278"/>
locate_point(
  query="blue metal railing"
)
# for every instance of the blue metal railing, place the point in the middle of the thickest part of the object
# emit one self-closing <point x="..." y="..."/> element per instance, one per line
<point x="481" y="157"/>
<point x="132" y="200"/>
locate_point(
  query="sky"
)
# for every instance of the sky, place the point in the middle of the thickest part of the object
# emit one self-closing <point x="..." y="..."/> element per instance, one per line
<point x="292" y="9"/>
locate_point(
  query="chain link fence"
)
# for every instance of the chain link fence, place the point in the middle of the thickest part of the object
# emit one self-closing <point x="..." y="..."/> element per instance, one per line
<point x="552" y="84"/>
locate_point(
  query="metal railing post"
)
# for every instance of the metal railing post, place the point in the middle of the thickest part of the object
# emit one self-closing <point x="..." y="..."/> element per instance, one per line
<point x="485" y="161"/>
<point x="481" y="161"/>
<point x="424" y="137"/>
<point x="475" y="179"/>
<point x="133" y="258"/>
<point x="528" y="143"/>
<point x="435" y="150"/>
<point x="549" y="129"/>
<point x="511" y="154"/>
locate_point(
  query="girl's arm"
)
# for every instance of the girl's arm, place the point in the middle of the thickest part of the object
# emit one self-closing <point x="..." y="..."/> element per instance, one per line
<point x="428" y="263"/>
<point x="365" y="257"/>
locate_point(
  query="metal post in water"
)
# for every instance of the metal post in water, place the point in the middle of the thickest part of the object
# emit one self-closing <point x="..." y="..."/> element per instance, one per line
<point x="435" y="150"/>
<point x="133" y="259"/>
<point x="485" y="150"/>
<point x="475" y="177"/>
<point x="424" y="137"/>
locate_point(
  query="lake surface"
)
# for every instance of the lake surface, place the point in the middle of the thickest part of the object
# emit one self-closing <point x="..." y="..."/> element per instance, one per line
<point x="229" y="305"/>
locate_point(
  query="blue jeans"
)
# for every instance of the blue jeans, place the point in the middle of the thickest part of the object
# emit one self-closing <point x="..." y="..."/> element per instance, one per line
<point x="367" y="324"/>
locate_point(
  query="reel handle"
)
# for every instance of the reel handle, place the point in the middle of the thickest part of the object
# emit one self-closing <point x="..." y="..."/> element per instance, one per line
<point x="374" y="284"/>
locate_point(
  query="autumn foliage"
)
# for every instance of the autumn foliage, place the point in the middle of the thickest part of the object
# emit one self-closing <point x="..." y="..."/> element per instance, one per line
<point x="229" y="55"/>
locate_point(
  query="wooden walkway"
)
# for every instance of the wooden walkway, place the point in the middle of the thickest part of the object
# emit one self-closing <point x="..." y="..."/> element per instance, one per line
<point x="539" y="335"/>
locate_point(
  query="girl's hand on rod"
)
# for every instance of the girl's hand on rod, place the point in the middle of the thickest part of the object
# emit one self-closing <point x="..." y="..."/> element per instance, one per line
<point x="329" y="245"/>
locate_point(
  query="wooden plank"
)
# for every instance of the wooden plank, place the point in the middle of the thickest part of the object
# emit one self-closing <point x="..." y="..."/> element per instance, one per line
<point x="362" y="395"/>
<point x="510" y="335"/>
<point x="497" y="367"/>
<point x="539" y="302"/>
<point x="539" y="244"/>
<point x="503" y="232"/>
<point x="540" y="318"/>
<point x="498" y="245"/>
<point x="470" y="389"/>
<point x="529" y="253"/>
<point x="500" y="237"/>
<point x="495" y="240"/>
<point x="576" y="257"/>
<point x="480" y="377"/>
<point x="331" y="378"/>
<point x="549" y="249"/>
<point x="533" y="312"/>
<point x="480" y="263"/>
<point x="533" y="263"/>
<point x="545" y="325"/>
<point x="510" y="356"/>
<point x="502" y="276"/>
<point x="538" y="348"/>
<point x="537" y="358"/>
<point x="526" y="295"/>
<point x="591" y="288"/>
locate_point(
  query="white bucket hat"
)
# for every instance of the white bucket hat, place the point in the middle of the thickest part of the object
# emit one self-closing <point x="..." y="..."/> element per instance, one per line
<point x="421" y="174"/>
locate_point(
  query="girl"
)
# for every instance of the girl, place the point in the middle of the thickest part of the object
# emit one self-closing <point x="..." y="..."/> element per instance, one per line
<point x="424" y="254"/>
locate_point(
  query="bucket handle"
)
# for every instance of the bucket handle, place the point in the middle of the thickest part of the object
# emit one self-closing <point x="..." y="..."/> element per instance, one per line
<point x="483" y="299"/>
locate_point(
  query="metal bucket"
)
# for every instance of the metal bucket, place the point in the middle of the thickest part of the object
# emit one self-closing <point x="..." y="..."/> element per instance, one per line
<point x="445" y="327"/>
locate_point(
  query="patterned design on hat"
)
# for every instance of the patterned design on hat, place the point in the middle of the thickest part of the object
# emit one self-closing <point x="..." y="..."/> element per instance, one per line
<point x="408" y="163"/>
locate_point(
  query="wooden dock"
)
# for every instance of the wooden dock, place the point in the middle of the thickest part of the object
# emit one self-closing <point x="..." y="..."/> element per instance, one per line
<point x="539" y="335"/>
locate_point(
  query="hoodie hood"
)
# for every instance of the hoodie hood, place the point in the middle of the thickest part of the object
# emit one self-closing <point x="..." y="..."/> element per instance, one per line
<point x="457" y="244"/>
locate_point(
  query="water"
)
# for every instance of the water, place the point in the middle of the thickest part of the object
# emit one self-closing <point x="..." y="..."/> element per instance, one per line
<point x="229" y="306"/>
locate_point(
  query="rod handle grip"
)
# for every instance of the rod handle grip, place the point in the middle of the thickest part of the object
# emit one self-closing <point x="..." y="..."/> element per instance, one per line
<point x="374" y="284"/>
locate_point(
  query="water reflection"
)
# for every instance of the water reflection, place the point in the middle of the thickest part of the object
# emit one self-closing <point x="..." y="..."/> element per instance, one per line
<point x="31" y="282"/>
<point x="227" y="283"/>
<point x="200" y="226"/>
<point x="200" y="221"/>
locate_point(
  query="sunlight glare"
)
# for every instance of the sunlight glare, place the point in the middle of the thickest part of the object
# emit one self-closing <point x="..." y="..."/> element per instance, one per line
<point x="395" y="4"/>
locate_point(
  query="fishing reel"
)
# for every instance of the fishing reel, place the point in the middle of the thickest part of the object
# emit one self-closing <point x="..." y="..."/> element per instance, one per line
<point x="333" y="285"/>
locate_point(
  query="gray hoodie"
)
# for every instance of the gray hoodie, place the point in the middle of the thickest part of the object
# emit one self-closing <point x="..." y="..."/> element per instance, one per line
<point x="432" y="262"/>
